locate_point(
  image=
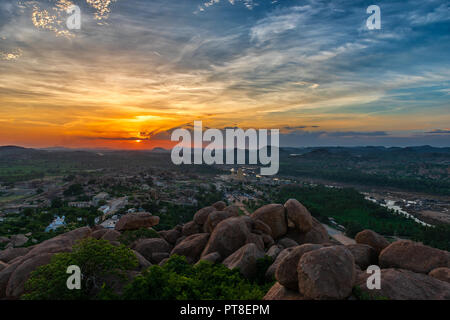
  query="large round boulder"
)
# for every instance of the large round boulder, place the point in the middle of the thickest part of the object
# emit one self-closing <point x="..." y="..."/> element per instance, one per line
<point x="318" y="234"/>
<point x="270" y="272"/>
<point x="228" y="236"/>
<point x="256" y="239"/>
<point x="212" y="257"/>
<point x="98" y="234"/>
<point x="10" y="254"/>
<point x="409" y="255"/>
<point x="219" y="205"/>
<point x="275" y="217"/>
<point x="372" y="239"/>
<point x="233" y="210"/>
<point x="15" y="287"/>
<point x="398" y="284"/>
<point x="214" y="218"/>
<point x="261" y="227"/>
<point x="299" y="215"/>
<point x="287" y="242"/>
<point x="137" y="220"/>
<point x="442" y="274"/>
<point x="111" y="235"/>
<point x="364" y="255"/>
<point x="5" y="274"/>
<point x="171" y="236"/>
<point x="191" y="228"/>
<point x="149" y="247"/>
<point x="201" y="215"/>
<point x="279" y="292"/>
<point x="286" y="272"/>
<point x="326" y="273"/>
<point x="274" y="251"/>
<point x="192" y="247"/>
<point x="142" y="262"/>
<point x="245" y="259"/>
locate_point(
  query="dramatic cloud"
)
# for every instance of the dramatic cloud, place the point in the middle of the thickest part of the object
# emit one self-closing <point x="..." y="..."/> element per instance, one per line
<point x="138" y="69"/>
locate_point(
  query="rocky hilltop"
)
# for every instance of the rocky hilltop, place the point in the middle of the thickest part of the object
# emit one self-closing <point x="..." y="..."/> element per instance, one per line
<point x="307" y="264"/>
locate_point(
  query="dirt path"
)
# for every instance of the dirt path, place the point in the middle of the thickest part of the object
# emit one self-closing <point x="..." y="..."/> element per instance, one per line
<point x="338" y="235"/>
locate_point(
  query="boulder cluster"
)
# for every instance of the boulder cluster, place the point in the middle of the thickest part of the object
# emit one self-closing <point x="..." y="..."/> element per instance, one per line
<point x="307" y="264"/>
<point x="409" y="270"/>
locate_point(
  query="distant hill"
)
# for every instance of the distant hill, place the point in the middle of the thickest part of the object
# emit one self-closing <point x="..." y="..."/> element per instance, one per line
<point x="17" y="152"/>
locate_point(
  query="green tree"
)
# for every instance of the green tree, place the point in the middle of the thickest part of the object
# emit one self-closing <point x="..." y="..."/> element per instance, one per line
<point x="99" y="262"/>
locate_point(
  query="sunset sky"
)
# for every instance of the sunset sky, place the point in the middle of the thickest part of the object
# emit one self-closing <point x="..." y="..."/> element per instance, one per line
<point x="139" y="68"/>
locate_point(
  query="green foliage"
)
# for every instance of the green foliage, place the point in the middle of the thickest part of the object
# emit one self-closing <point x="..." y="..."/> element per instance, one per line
<point x="130" y="236"/>
<point x="362" y="295"/>
<point x="178" y="280"/>
<point x="98" y="261"/>
<point x="352" y="228"/>
<point x="261" y="268"/>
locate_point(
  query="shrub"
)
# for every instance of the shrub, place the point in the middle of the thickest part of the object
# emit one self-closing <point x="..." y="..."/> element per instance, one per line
<point x="98" y="261"/>
<point x="178" y="280"/>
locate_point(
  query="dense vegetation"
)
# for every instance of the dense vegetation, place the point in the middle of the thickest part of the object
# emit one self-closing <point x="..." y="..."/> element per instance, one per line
<point x="36" y="220"/>
<point x="104" y="269"/>
<point x="178" y="280"/>
<point x="100" y="263"/>
<point x="349" y="208"/>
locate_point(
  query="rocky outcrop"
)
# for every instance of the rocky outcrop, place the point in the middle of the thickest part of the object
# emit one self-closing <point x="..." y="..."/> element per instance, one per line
<point x="18" y="240"/>
<point x="137" y="220"/>
<point x="409" y="255"/>
<point x="286" y="272"/>
<point x="372" y="239"/>
<point x="98" y="234"/>
<point x="274" y="251"/>
<point x="270" y="273"/>
<point x="442" y="274"/>
<point x="10" y="254"/>
<point x="274" y="216"/>
<point x="191" y="228"/>
<point x="219" y="205"/>
<point x="15" y="287"/>
<point x="318" y="234"/>
<point x="214" y="218"/>
<point x="192" y="247"/>
<point x="245" y="259"/>
<point x="212" y="257"/>
<point x="299" y="215"/>
<point x="149" y="248"/>
<point x="364" y="255"/>
<point x="227" y="237"/>
<point x="171" y="236"/>
<point x="111" y="235"/>
<point x="287" y="242"/>
<point x="326" y="273"/>
<point x="279" y="292"/>
<point x="201" y="215"/>
<point x="142" y="262"/>
<point x="398" y="284"/>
